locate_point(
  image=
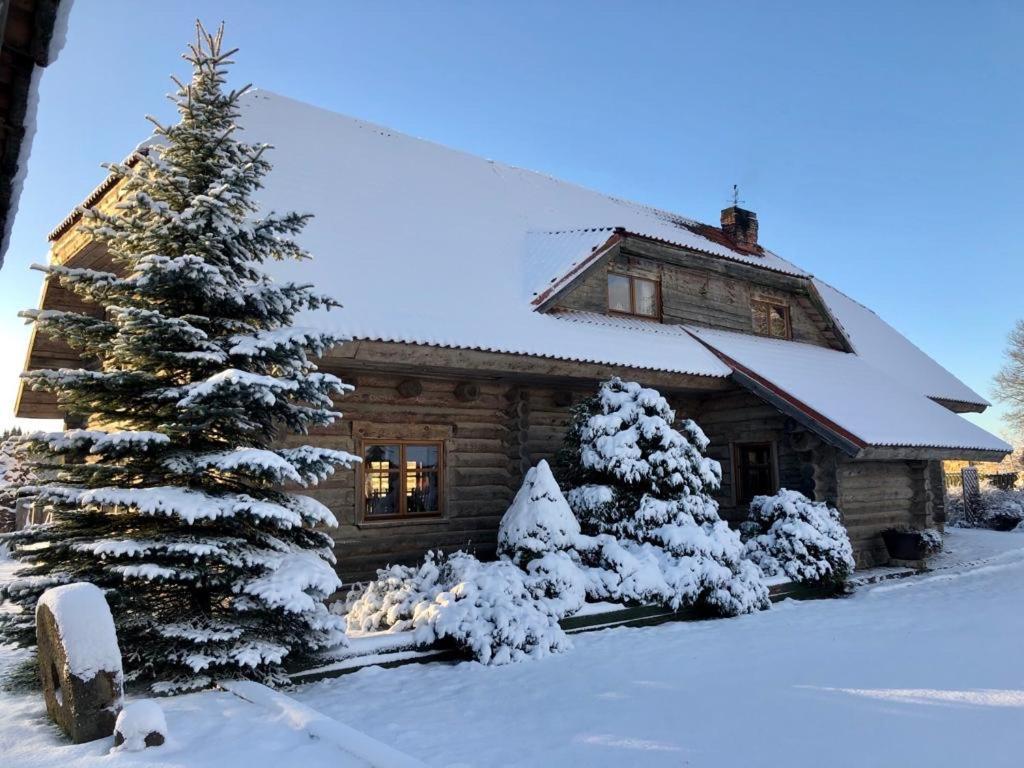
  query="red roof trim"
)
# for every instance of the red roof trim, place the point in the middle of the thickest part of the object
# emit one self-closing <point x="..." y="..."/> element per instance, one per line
<point x="799" y="405"/>
<point x="577" y="269"/>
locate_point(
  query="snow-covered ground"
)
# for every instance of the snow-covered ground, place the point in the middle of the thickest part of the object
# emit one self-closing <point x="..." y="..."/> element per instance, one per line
<point x="207" y="730"/>
<point x="213" y="729"/>
<point x="920" y="671"/>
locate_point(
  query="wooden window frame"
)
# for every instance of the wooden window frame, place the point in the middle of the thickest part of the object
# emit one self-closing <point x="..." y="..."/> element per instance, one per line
<point x="402" y="514"/>
<point x="632" y="295"/>
<point x="768" y="304"/>
<point x="773" y="465"/>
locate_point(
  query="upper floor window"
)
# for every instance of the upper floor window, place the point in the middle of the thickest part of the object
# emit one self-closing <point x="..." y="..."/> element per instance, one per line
<point x="753" y="471"/>
<point x="401" y="479"/>
<point x="771" y="319"/>
<point x="630" y="295"/>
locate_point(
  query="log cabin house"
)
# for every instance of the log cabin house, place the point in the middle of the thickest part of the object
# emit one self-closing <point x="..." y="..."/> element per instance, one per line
<point x="482" y="301"/>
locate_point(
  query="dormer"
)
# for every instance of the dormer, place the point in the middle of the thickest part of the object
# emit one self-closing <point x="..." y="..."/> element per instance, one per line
<point x="647" y="279"/>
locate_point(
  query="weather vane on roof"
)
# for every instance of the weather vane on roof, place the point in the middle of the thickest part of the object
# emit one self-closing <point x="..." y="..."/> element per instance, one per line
<point x="736" y="195"/>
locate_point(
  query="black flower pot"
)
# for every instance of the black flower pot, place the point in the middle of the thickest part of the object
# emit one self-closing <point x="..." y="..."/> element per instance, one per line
<point x="1002" y="522"/>
<point x="905" y="545"/>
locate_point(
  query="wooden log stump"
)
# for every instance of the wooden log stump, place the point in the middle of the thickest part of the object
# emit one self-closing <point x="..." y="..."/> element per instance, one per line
<point x="410" y="388"/>
<point x="467" y="392"/>
<point x="79" y="661"/>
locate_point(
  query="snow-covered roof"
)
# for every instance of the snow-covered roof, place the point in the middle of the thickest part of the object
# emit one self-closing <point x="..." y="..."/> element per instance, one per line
<point x="852" y="393"/>
<point x="427" y="244"/>
<point x="890" y="351"/>
<point x="430" y="245"/>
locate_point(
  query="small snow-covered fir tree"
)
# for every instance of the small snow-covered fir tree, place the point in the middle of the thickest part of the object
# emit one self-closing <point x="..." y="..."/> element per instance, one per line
<point x="802" y="539"/>
<point x="13" y="475"/>
<point x="540" y="534"/>
<point x="636" y="477"/>
<point x="173" y="498"/>
<point x="539" y="521"/>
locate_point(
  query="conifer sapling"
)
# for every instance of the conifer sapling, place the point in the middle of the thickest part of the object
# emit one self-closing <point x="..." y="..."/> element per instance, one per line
<point x="636" y="475"/>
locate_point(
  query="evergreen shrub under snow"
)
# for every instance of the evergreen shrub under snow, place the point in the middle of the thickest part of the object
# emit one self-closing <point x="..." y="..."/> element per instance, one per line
<point x="540" y="533"/>
<point x="641" y="486"/>
<point x="495" y="611"/>
<point x="13" y="475"/>
<point x="801" y="539"/>
<point x="539" y="521"/>
<point x="1000" y="509"/>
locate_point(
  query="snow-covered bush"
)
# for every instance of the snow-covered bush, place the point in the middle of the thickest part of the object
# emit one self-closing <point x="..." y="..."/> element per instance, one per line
<point x="640" y="486"/>
<point x="496" y="611"/>
<point x="390" y="602"/>
<point x="14" y="473"/>
<point x="802" y="539"/>
<point x="932" y="541"/>
<point x="539" y="521"/>
<point x="1001" y="510"/>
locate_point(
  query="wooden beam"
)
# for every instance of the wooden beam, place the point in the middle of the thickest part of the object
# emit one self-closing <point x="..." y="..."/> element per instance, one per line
<point x="738" y="270"/>
<point x="410" y="388"/>
<point x="422" y="359"/>
<point x="925" y="453"/>
<point x="467" y="392"/>
<point x="959" y="406"/>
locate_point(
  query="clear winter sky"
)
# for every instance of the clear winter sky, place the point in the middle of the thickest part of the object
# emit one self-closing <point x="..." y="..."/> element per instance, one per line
<point x="878" y="142"/>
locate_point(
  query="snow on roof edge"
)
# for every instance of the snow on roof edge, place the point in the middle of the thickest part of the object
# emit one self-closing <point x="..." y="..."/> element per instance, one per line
<point x="58" y="38"/>
<point x="393" y="338"/>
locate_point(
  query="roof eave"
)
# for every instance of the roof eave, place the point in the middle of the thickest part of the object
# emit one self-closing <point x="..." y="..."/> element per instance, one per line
<point x="852" y="445"/>
<point x="929" y="453"/>
<point x="94" y="197"/>
<point x="574" y="274"/>
<point x="960" y="406"/>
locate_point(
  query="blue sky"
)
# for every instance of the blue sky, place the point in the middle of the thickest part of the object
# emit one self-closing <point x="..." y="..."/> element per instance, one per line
<point x="879" y="142"/>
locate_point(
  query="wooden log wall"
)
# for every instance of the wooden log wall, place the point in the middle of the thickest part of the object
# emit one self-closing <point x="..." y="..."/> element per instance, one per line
<point x="740" y="417"/>
<point x="875" y="495"/>
<point x="490" y="441"/>
<point x="494" y="430"/>
<point x="482" y="467"/>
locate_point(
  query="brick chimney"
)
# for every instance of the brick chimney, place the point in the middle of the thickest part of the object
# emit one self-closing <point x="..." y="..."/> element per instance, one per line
<point x="740" y="226"/>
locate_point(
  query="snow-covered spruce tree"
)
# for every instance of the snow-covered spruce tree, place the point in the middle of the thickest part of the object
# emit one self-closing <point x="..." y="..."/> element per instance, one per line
<point x="802" y="539"/>
<point x="636" y="476"/>
<point x="172" y="499"/>
<point x="539" y="521"/>
<point x="540" y="534"/>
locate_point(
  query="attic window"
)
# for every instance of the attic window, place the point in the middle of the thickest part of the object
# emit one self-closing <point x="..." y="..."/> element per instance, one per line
<point x="629" y="295"/>
<point x="771" y="319"/>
